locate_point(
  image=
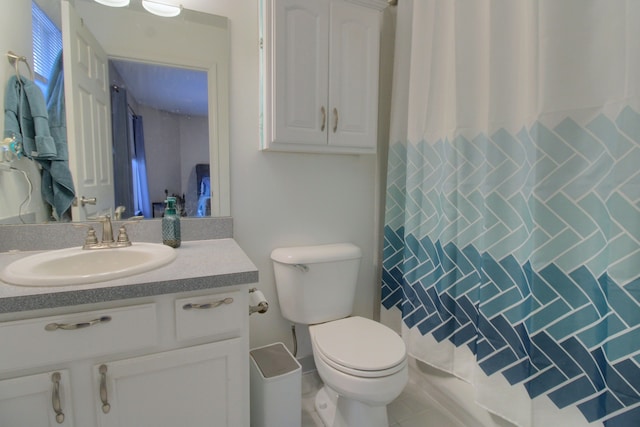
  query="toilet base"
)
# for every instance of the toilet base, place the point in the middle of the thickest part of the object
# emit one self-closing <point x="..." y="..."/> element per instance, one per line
<point x="339" y="411"/>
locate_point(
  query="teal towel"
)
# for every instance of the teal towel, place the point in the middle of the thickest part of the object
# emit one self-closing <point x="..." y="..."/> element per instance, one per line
<point x="57" y="182"/>
<point x="41" y="129"/>
<point x="26" y="118"/>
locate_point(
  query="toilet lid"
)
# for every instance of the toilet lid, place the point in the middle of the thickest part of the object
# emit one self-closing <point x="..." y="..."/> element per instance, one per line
<point x="359" y="343"/>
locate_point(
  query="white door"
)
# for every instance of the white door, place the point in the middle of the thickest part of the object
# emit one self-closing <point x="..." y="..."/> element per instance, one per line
<point x="192" y="387"/>
<point x="88" y="116"/>
<point x="301" y="71"/>
<point x="41" y="400"/>
<point x="353" y="75"/>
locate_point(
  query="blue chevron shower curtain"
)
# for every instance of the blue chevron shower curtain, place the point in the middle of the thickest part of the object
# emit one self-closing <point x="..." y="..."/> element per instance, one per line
<point x="512" y="229"/>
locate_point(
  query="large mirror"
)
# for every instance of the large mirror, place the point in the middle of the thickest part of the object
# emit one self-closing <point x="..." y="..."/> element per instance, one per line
<point x="171" y="75"/>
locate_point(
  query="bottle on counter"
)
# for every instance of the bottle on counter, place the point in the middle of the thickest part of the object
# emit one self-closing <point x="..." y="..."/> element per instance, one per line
<point x="171" y="224"/>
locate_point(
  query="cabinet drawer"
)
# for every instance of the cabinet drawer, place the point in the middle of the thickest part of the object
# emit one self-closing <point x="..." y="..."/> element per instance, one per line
<point x="216" y="315"/>
<point x="55" y="339"/>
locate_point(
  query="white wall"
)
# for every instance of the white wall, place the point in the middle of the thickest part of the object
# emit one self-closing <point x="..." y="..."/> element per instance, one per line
<point x="14" y="188"/>
<point x="280" y="199"/>
<point x="194" y="149"/>
<point x="162" y="150"/>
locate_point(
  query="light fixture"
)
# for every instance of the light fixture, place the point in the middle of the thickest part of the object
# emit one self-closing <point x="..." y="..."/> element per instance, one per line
<point x="114" y="3"/>
<point x="161" y="9"/>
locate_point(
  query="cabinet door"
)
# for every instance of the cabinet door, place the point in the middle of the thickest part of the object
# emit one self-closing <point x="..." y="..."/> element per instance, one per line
<point x="300" y="69"/>
<point x="353" y="77"/>
<point x="191" y="387"/>
<point x="41" y="400"/>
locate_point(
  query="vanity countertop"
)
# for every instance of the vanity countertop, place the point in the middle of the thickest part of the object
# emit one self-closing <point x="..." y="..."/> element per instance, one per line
<point x="201" y="264"/>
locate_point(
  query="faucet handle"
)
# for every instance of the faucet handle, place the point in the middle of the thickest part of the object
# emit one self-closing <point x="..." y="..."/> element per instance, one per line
<point x="123" y="237"/>
<point x="91" y="240"/>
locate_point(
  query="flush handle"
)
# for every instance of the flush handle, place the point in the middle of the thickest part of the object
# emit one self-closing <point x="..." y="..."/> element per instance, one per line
<point x="301" y="267"/>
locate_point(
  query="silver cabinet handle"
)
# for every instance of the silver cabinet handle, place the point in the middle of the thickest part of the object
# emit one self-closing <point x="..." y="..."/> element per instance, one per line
<point x="324" y="118"/>
<point x="55" y="397"/>
<point x="335" y="120"/>
<point x="81" y="325"/>
<point x="212" y="304"/>
<point x="104" y="398"/>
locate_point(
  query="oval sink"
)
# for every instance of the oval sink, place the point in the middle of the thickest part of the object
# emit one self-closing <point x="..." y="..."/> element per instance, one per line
<point x="75" y="266"/>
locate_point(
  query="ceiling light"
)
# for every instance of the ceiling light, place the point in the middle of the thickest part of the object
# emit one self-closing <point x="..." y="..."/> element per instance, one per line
<point x="161" y="9"/>
<point x="113" y="3"/>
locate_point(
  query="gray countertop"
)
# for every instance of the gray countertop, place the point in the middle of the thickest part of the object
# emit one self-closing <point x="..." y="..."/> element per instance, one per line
<point x="201" y="264"/>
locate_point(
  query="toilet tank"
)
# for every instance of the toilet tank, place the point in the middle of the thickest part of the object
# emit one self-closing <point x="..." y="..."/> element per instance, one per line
<point x="316" y="284"/>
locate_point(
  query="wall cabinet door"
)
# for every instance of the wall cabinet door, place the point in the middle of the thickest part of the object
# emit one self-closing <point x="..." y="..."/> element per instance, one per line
<point x="191" y="387"/>
<point x="353" y="76"/>
<point x="41" y="400"/>
<point x="301" y="53"/>
<point x="321" y="71"/>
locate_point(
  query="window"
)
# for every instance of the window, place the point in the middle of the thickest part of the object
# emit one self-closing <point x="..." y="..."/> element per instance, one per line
<point x="47" y="44"/>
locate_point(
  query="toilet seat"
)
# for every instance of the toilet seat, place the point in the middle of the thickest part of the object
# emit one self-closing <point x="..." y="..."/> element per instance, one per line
<point x="359" y="346"/>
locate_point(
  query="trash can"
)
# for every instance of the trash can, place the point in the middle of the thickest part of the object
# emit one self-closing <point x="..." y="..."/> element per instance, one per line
<point x="276" y="387"/>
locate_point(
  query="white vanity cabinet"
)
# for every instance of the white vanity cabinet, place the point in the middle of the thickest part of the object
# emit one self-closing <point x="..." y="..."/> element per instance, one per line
<point x="162" y="361"/>
<point x="320" y="63"/>
<point x="40" y="400"/>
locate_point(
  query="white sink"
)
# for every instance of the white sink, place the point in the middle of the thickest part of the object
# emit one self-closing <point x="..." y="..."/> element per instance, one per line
<point x="75" y="266"/>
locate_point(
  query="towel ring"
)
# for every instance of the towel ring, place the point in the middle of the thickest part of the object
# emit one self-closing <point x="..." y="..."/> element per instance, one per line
<point x="15" y="61"/>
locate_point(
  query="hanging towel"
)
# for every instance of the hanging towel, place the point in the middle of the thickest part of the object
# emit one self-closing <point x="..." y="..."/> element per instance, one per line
<point x="27" y="119"/>
<point x="57" y="183"/>
<point x="25" y="116"/>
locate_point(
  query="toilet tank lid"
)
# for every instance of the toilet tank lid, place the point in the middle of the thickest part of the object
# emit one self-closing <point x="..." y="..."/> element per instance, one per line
<point x="316" y="254"/>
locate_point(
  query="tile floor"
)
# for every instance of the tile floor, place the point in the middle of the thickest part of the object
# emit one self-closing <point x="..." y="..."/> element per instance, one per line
<point x="411" y="409"/>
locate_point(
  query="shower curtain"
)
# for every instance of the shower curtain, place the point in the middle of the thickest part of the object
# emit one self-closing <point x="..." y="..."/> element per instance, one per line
<point x="512" y="227"/>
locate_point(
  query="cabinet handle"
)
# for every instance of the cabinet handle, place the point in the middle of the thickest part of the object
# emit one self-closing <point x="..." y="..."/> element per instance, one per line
<point x="335" y="120"/>
<point x="55" y="397"/>
<point x="324" y="118"/>
<point x="73" y="326"/>
<point x="212" y="304"/>
<point x="103" y="389"/>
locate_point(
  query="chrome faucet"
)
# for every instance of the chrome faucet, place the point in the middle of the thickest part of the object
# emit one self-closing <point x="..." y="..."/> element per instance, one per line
<point x="107" y="241"/>
<point x="107" y="229"/>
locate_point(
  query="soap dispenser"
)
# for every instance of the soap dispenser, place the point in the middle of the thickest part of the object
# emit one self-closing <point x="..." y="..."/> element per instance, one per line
<point x="171" y="224"/>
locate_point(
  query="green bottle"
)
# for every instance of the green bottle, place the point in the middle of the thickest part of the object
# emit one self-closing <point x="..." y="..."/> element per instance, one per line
<point x="171" y="224"/>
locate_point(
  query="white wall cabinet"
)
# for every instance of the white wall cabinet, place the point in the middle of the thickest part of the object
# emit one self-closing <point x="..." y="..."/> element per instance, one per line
<point x="320" y="63"/>
<point x="173" y="360"/>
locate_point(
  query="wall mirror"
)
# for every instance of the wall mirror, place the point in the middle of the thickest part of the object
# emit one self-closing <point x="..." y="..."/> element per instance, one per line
<point x="150" y="61"/>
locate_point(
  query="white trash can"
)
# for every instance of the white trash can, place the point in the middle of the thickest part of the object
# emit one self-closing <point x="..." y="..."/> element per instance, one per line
<point x="276" y="387"/>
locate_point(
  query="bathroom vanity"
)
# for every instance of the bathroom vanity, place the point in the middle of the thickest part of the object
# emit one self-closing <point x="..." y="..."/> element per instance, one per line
<point x="165" y="348"/>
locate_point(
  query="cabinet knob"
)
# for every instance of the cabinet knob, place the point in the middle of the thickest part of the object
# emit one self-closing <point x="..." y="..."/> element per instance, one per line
<point x="324" y="118"/>
<point x="335" y="120"/>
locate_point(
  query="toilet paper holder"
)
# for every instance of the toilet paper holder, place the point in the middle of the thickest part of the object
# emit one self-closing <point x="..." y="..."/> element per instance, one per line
<point x="257" y="302"/>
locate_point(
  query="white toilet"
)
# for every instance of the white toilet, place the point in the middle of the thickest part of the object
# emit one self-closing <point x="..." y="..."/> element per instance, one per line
<point x="362" y="363"/>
